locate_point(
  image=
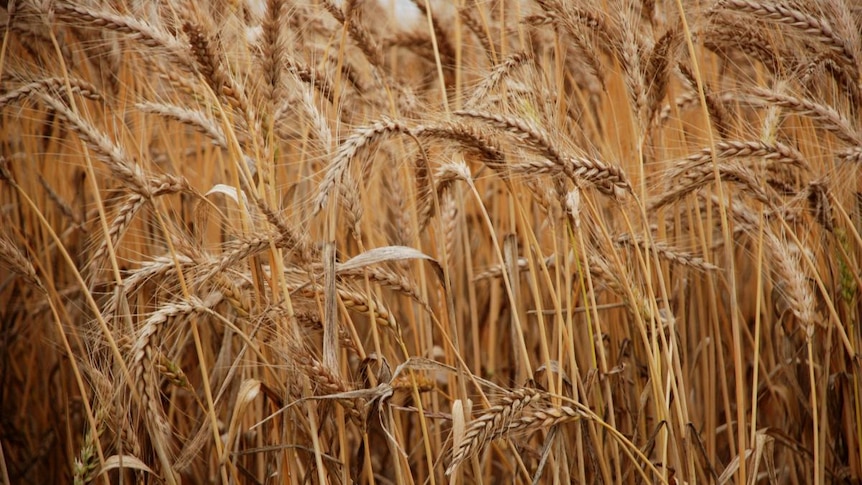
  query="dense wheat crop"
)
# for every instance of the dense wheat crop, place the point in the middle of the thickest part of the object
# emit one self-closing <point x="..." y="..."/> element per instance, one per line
<point x="538" y="241"/>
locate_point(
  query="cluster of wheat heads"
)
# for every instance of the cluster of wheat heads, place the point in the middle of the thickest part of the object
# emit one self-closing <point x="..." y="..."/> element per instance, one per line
<point x="535" y="241"/>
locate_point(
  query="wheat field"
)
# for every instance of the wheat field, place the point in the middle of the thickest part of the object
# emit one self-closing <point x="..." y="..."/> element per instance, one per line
<point x="509" y="241"/>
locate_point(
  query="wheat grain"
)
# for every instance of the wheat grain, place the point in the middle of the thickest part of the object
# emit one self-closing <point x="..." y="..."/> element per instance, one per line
<point x="273" y="48"/>
<point x="607" y="178"/>
<point x="703" y="175"/>
<point x="53" y="84"/>
<point x="195" y="119"/>
<point x="825" y="116"/>
<point x="819" y="28"/>
<point x="496" y="76"/>
<point x="121" y="164"/>
<point x="138" y="30"/>
<point x="14" y="259"/>
<point x="477" y="29"/>
<point x="143" y="357"/>
<point x="353" y="146"/>
<point x="657" y="71"/>
<point x="774" y="152"/>
<point x="492" y="424"/>
<point x="667" y="252"/>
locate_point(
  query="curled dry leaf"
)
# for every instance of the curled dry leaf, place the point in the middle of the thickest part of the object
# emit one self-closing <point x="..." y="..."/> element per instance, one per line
<point x="388" y="253"/>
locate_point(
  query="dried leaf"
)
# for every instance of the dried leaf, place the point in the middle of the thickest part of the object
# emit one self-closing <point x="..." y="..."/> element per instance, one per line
<point x="388" y="253"/>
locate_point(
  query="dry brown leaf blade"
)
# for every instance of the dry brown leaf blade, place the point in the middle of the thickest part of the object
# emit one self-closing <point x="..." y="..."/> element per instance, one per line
<point x="388" y="254"/>
<point x="123" y="462"/>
